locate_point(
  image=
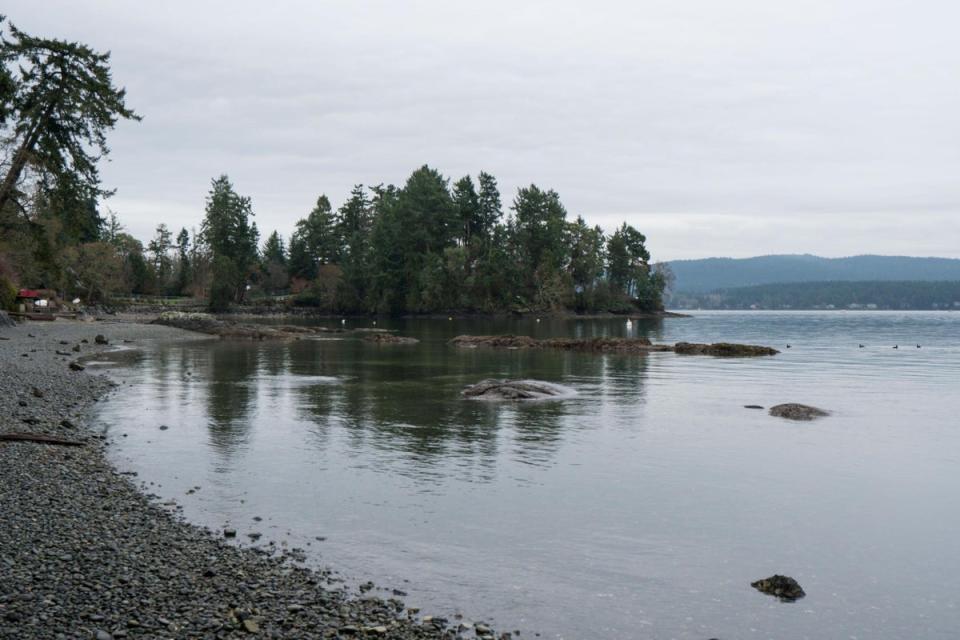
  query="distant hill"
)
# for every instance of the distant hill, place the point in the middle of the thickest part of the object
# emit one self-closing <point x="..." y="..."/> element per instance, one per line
<point x="829" y="295"/>
<point x="710" y="274"/>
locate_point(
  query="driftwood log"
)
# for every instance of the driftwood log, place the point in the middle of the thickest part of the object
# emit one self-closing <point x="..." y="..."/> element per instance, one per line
<point x="38" y="437"/>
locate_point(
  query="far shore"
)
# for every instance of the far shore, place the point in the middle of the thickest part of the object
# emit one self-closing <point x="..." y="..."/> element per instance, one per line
<point x="253" y="311"/>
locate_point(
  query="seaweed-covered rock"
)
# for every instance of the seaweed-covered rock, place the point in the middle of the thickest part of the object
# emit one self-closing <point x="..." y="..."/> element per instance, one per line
<point x="783" y="587"/>
<point x="723" y="349"/>
<point x="619" y="345"/>
<point x="794" y="411"/>
<point x="514" y="390"/>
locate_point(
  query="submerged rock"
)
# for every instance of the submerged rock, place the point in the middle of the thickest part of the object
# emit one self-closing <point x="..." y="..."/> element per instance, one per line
<point x="794" y="411"/>
<point x="783" y="587"/>
<point x="723" y="349"/>
<point x="514" y="390"/>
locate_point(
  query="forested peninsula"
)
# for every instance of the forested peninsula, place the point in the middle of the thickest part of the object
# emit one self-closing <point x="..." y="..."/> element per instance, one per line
<point x="428" y="246"/>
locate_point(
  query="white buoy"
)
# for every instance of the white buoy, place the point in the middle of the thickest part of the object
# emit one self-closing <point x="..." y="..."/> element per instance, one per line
<point x="343" y="321"/>
<point x="538" y="319"/>
<point x="629" y="323"/>
<point x="374" y="323"/>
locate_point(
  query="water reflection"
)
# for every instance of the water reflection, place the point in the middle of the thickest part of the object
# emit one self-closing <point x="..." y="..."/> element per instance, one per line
<point x="402" y="404"/>
<point x="649" y="498"/>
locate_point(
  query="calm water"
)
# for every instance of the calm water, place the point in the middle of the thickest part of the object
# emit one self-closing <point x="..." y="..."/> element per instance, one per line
<point x="641" y="507"/>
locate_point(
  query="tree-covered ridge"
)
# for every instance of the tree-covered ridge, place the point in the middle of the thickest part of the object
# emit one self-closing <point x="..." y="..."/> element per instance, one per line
<point x="711" y="274"/>
<point x="827" y="295"/>
<point x="427" y="247"/>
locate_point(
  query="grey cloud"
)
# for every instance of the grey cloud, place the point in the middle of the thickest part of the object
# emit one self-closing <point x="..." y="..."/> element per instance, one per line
<point x="728" y="128"/>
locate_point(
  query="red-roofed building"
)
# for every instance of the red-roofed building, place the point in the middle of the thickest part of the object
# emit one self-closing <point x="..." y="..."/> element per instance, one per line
<point x="33" y="300"/>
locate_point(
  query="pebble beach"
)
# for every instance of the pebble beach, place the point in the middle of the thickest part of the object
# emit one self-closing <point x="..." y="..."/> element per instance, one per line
<point x="86" y="552"/>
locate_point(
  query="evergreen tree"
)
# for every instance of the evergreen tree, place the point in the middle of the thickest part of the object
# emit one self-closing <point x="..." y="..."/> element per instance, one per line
<point x="628" y="265"/>
<point x="183" y="261"/>
<point x="467" y="205"/>
<point x="160" y="248"/>
<point x="539" y="228"/>
<point x="586" y="260"/>
<point x="315" y="241"/>
<point x="59" y="101"/>
<point x="232" y="239"/>
<point x="488" y="201"/>
<point x="274" y="251"/>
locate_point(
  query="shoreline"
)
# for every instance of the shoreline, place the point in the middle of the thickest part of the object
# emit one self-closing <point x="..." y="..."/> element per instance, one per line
<point x="135" y="312"/>
<point x="87" y="553"/>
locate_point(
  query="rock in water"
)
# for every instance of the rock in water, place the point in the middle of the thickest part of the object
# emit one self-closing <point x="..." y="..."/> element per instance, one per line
<point x="794" y="411"/>
<point x="76" y="366"/>
<point x="724" y="349"/>
<point x="388" y="338"/>
<point x="783" y="587"/>
<point x="513" y="390"/>
<point x="6" y="321"/>
<point x="101" y="339"/>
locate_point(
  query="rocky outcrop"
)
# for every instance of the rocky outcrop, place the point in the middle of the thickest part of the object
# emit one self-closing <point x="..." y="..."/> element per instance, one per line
<point x="206" y="323"/>
<point x="723" y="349"/>
<point x="783" y="587"/>
<point x="514" y="390"/>
<point x="6" y="321"/>
<point x="794" y="411"/>
<point x="380" y="337"/>
<point x="613" y="345"/>
<point x="621" y="345"/>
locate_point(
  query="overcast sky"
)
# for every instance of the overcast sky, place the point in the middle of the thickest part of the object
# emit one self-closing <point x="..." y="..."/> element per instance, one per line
<point x="729" y="127"/>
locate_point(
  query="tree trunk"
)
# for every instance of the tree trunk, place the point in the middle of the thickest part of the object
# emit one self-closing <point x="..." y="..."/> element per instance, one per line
<point x="20" y="158"/>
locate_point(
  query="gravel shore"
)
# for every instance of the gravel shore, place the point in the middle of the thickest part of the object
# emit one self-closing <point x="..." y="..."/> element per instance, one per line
<point x="84" y="553"/>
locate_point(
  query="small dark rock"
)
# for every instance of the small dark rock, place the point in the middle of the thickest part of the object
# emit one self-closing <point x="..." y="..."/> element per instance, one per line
<point x="101" y="339"/>
<point x="752" y="406"/>
<point x="76" y="347"/>
<point x="36" y="392"/>
<point x="783" y="587"/>
<point x="229" y="533"/>
<point x="76" y="366"/>
<point x="794" y="411"/>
